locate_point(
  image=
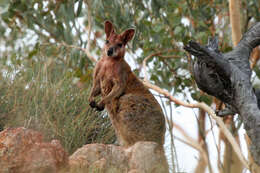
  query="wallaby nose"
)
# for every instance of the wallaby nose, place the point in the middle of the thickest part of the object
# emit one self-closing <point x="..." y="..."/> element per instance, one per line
<point x="110" y="52"/>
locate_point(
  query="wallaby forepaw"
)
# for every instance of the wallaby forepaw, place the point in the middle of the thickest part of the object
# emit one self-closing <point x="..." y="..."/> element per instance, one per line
<point x="93" y="104"/>
<point x="100" y="107"/>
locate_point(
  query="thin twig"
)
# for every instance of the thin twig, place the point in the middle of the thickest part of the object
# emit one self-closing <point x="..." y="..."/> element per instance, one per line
<point x="169" y="56"/>
<point x="255" y="56"/>
<point x="87" y="50"/>
<point x="144" y="64"/>
<point x="159" y="54"/>
<point x="192" y="142"/>
<point x="75" y="47"/>
<point x="170" y="126"/>
<point x="254" y="167"/>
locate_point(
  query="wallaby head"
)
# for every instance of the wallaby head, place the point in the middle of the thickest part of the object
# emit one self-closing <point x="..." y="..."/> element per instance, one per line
<point x="115" y="43"/>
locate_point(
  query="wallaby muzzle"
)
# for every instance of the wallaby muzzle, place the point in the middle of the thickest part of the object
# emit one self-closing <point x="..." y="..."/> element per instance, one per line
<point x="110" y="51"/>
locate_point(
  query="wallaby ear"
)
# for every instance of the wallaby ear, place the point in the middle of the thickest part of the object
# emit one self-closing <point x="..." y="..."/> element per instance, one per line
<point x="128" y="35"/>
<point x="109" y="28"/>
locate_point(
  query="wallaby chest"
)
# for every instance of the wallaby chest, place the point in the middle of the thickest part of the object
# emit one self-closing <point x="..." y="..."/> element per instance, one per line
<point x="110" y="71"/>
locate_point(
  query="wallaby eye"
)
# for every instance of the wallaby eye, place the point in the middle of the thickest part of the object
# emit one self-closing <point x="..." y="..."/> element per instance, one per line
<point x="120" y="45"/>
<point x="107" y="41"/>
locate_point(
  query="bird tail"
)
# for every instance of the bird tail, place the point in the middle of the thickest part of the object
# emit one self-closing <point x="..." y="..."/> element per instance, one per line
<point x="251" y="38"/>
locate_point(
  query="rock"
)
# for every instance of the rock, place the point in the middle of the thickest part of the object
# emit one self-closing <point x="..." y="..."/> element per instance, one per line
<point x="23" y="151"/>
<point x="140" y="158"/>
<point x="100" y="158"/>
<point x="147" y="157"/>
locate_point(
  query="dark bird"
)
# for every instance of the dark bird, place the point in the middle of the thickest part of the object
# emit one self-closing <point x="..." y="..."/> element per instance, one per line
<point x="216" y="73"/>
<point x="227" y="77"/>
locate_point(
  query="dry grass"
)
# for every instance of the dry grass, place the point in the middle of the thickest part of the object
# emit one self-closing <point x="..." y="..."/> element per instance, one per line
<point x="42" y="96"/>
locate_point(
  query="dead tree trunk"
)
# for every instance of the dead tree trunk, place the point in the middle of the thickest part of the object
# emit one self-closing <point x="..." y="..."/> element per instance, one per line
<point x="227" y="77"/>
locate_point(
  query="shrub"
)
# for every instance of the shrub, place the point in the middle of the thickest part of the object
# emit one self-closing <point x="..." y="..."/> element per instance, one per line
<point x="42" y="95"/>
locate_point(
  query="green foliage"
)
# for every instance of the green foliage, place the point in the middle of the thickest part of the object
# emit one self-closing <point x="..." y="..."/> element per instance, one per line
<point x="161" y="26"/>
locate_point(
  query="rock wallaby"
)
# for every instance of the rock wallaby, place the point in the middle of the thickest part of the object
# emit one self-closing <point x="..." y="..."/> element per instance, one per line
<point x="134" y="112"/>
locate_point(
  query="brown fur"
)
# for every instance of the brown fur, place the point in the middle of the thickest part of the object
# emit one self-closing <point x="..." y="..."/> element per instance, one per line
<point x="133" y="110"/>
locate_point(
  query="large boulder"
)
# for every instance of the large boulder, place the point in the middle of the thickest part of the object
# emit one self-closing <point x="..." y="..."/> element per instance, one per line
<point x="140" y="158"/>
<point x="99" y="158"/>
<point x="23" y="151"/>
<point x="147" y="157"/>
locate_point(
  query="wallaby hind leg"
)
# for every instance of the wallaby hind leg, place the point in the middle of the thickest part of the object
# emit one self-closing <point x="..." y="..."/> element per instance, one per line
<point x="140" y="119"/>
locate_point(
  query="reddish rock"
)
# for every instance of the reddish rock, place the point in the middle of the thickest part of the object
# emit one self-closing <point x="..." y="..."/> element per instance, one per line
<point x="147" y="157"/>
<point x="23" y="151"/>
<point x="99" y="157"/>
<point x="140" y="158"/>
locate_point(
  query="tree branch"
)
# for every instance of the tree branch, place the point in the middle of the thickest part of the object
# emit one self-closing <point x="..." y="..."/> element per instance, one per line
<point x="192" y="142"/>
<point x="159" y="54"/>
<point x="145" y="62"/>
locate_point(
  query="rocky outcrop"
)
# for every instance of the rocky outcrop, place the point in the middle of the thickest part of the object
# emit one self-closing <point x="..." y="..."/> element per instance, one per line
<point x="99" y="157"/>
<point x="23" y="151"/>
<point x="147" y="157"/>
<point x="140" y="158"/>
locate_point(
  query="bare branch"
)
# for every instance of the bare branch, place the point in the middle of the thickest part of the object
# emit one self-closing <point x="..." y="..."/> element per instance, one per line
<point x="255" y="56"/>
<point x="87" y="50"/>
<point x="159" y="54"/>
<point x="191" y="142"/>
<point x="169" y="56"/>
<point x="254" y="167"/>
<point x="144" y="63"/>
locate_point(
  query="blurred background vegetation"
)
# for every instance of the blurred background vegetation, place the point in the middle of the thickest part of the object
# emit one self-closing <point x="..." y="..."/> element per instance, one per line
<point x="45" y="74"/>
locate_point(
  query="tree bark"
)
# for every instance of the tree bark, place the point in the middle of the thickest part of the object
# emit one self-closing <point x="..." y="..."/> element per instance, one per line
<point x="234" y="13"/>
<point x="202" y="164"/>
<point x="227" y="77"/>
<point x="231" y="162"/>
